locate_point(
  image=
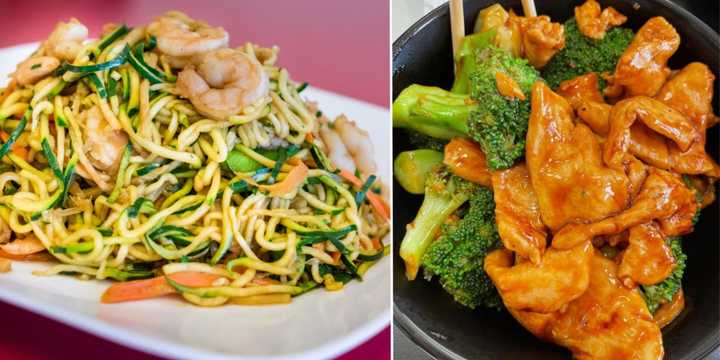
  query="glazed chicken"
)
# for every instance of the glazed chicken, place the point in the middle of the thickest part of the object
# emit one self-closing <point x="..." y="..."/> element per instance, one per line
<point x="593" y="23"/>
<point x="642" y="69"/>
<point x="648" y="259"/>
<point x="629" y="173"/>
<point x="541" y="39"/>
<point x="560" y="278"/>
<point x="517" y="213"/>
<point x="608" y="321"/>
<point x="588" y="252"/>
<point x="663" y="197"/>
<point x="566" y="169"/>
<point x="583" y="94"/>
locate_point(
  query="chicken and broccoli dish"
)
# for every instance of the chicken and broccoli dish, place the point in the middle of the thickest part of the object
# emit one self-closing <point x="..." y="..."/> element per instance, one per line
<point x="559" y="174"/>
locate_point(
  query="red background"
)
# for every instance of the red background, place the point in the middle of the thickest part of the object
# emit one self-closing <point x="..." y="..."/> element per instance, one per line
<point x="342" y="46"/>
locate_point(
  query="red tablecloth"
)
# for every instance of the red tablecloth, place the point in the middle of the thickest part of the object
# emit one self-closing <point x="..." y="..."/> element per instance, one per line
<point x="341" y="46"/>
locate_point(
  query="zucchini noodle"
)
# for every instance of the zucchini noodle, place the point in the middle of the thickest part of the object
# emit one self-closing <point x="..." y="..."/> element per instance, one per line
<point x="120" y="177"/>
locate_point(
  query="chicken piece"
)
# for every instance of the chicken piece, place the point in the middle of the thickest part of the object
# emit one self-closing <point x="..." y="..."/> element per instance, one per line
<point x="583" y="94"/>
<point x="517" y="213"/>
<point x="642" y="68"/>
<point x="538" y="324"/>
<point x="466" y="159"/>
<point x="666" y="139"/>
<point x="662" y="196"/>
<point x="690" y="91"/>
<point x="580" y="88"/>
<point x="566" y="170"/>
<point x="613" y="91"/>
<point x="541" y="39"/>
<point x="596" y="115"/>
<point x="667" y="312"/>
<point x="609" y="321"/>
<point x="561" y="277"/>
<point x="648" y="259"/>
<point x="626" y="140"/>
<point x="593" y="23"/>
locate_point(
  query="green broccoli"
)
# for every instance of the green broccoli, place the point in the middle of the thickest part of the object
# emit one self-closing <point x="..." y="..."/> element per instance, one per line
<point x="411" y="168"/>
<point x="500" y="124"/>
<point x="444" y="194"/>
<point x="582" y="55"/>
<point x="432" y="111"/>
<point x="456" y="258"/>
<point x="658" y="294"/>
<point x="497" y="123"/>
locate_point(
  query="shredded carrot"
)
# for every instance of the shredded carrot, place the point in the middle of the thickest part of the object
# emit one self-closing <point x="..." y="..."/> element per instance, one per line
<point x="377" y="245"/>
<point x="155" y="287"/>
<point x="293" y="179"/>
<point x="335" y="256"/>
<point x="309" y="137"/>
<point x="375" y="200"/>
<point x="351" y="178"/>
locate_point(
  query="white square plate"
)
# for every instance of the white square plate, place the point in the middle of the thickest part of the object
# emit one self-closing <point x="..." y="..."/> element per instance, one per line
<point x="316" y="325"/>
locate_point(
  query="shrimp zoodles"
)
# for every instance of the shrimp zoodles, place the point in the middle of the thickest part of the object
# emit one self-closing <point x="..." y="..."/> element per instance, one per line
<point x="165" y="160"/>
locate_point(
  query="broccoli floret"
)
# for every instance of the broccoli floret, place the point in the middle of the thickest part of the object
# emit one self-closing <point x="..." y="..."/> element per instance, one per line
<point x="456" y="258"/>
<point x="500" y="124"/>
<point x="658" y="294"/>
<point x="444" y="194"/>
<point x="582" y="55"/>
<point x="466" y="59"/>
<point x="422" y="141"/>
<point x="497" y="123"/>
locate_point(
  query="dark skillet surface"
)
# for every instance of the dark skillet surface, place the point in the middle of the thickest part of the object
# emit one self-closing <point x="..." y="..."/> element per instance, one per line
<point x="447" y="330"/>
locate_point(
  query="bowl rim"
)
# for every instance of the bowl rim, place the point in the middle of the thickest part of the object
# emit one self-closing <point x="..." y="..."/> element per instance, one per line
<point x="417" y="335"/>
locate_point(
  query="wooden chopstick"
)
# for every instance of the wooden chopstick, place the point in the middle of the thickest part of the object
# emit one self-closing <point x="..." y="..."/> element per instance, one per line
<point x="529" y="8"/>
<point x="457" y="24"/>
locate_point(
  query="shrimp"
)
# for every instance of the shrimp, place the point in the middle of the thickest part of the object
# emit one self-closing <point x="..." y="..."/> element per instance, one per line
<point x="179" y="36"/>
<point x="66" y="41"/>
<point x="336" y="150"/>
<point x="104" y="146"/>
<point x="33" y="69"/>
<point x="358" y="144"/>
<point x="223" y="82"/>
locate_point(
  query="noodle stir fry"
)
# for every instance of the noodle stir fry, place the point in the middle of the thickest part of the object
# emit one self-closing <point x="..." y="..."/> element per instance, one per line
<point x="161" y="158"/>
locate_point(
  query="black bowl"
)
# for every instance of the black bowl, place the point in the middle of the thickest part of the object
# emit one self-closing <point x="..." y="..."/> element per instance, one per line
<point x="444" y="328"/>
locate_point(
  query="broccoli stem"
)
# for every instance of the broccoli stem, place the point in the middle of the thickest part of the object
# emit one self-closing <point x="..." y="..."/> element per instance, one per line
<point x="412" y="167"/>
<point x="466" y="63"/>
<point x="433" y="111"/>
<point x="436" y="207"/>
